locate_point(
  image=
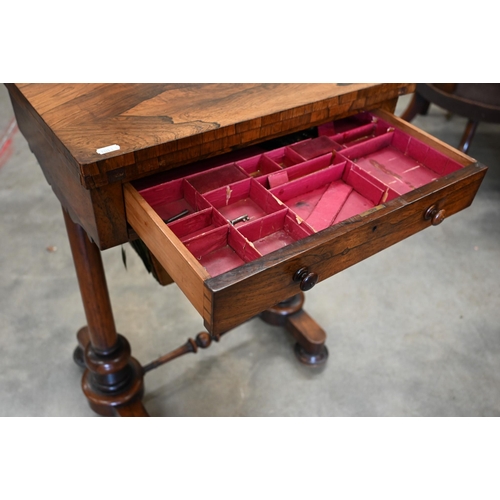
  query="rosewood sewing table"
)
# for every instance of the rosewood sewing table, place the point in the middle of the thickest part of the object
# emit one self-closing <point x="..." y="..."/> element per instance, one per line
<point x="245" y="195"/>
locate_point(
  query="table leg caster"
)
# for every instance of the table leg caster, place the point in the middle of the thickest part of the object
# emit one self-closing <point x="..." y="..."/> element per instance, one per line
<point x="311" y="359"/>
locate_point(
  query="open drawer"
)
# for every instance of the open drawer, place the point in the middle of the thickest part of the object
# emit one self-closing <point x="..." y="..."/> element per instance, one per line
<point x="243" y="236"/>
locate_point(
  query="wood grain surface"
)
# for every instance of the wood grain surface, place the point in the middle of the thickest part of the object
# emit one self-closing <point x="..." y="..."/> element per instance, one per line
<point x="161" y="126"/>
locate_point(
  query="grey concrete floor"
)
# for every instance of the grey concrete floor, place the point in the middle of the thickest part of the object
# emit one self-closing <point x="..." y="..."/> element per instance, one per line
<point x="412" y="331"/>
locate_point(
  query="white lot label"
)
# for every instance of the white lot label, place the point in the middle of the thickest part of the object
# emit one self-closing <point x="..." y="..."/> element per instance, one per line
<point x="107" y="149"/>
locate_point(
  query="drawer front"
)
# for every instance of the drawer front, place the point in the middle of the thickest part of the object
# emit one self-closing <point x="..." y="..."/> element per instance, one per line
<point x="226" y="298"/>
<point x="240" y="294"/>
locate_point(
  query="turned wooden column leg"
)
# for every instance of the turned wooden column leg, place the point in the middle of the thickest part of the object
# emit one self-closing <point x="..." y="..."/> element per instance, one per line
<point x="112" y="380"/>
<point x="310" y="348"/>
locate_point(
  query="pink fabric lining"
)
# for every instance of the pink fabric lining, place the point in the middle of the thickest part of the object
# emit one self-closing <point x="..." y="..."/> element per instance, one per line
<point x="285" y="157"/>
<point x="313" y="148"/>
<point x="213" y="179"/>
<point x="294" y="191"/>
<point x="259" y="165"/>
<point x="275" y="231"/>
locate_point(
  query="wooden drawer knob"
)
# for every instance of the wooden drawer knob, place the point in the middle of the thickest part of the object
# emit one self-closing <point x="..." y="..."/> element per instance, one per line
<point x="434" y="215"/>
<point x="307" y="280"/>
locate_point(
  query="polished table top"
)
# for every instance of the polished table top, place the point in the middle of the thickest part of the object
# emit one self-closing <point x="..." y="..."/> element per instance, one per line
<point x="90" y="139"/>
<point x="115" y="132"/>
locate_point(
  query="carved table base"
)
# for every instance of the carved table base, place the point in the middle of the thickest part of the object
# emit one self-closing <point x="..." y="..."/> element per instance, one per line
<point x="310" y="348"/>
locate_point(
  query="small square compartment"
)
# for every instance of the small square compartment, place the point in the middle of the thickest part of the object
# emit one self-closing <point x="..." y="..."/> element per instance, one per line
<point x="285" y="157"/>
<point x="275" y="231"/>
<point x="357" y="135"/>
<point x="345" y="124"/>
<point x="222" y="250"/>
<point x="300" y="170"/>
<point x="400" y="161"/>
<point x="216" y="178"/>
<point x="257" y="166"/>
<point x="244" y="198"/>
<point x="312" y="148"/>
<point x="174" y="199"/>
<point x="197" y="224"/>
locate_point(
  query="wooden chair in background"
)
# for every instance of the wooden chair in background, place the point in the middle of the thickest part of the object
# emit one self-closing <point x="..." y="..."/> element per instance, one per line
<point x="478" y="102"/>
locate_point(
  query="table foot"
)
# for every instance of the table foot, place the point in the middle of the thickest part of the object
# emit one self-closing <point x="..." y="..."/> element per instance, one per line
<point x="310" y="348"/>
<point x="134" y="409"/>
<point x="311" y="359"/>
<point x="113" y="381"/>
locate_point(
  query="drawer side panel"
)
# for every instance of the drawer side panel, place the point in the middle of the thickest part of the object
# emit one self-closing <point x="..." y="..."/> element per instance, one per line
<point x="170" y="252"/>
<point x="435" y="143"/>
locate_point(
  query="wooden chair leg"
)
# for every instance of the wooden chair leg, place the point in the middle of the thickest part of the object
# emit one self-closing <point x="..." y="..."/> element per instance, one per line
<point x="468" y="135"/>
<point x="418" y="105"/>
